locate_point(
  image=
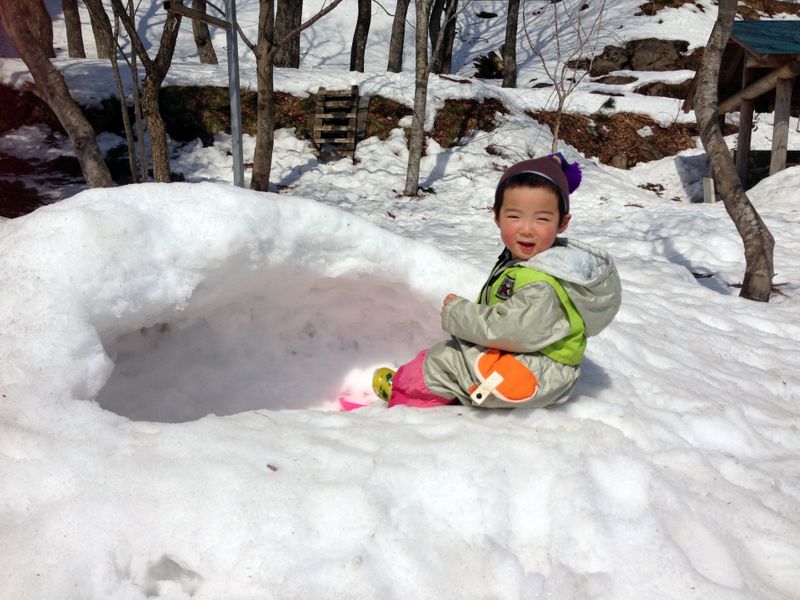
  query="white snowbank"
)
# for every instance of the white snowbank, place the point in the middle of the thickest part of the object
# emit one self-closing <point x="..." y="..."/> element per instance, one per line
<point x="671" y="474"/>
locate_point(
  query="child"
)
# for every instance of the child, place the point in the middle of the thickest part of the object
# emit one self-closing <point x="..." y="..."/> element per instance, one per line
<point x="522" y="343"/>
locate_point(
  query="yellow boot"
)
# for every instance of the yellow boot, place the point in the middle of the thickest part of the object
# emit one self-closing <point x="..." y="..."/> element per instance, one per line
<point x="382" y="383"/>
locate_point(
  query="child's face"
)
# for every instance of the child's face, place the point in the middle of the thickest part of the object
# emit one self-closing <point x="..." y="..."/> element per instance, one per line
<point x="528" y="220"/>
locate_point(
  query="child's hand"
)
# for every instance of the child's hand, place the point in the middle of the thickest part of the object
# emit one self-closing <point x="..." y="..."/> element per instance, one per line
<point x="447" y="300"/>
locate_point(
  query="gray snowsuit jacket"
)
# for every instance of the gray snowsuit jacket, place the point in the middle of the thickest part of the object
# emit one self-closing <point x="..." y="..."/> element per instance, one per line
<point x="525" y="322"/>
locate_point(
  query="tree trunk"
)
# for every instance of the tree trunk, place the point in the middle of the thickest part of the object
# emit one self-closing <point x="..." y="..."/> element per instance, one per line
<point x="446" y="53"/>
<point x="420" y="98"/>
<point x="359" y="46"/>
<point x="35" y="16"/>
<point x="155" y="71"/>
<point x="51" y="87"/>
<point x="395" y="64"/>
<point x="72" y="19"/>
<point x="157" y="131"/>
<point x="265" y="127"/>
<point x="265" y="51"/>
<point x="510" y="45"/>
<point x="202" y="36"/>
<point x="126" y="118"/>
<point x="101" y="28"/>
<point x="137" y="106"/>
<point x="758" y="241"/>
<point x="435" y="21"/>
<point x="287" y="20"/>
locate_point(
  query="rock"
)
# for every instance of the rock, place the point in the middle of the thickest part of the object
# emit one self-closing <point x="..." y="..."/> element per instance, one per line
<point x="616" y="79"/>
<point x="620" y="161"/>
<point x="613" y="58"/>
<point x="649" y="54"/>
<point x="656" y="55"/>
<point x="667" y="90"/>
<point x="489" y="66"/>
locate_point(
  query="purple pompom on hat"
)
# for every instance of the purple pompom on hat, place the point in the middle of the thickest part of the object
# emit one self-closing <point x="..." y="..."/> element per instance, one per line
<point x="554" y="167"/>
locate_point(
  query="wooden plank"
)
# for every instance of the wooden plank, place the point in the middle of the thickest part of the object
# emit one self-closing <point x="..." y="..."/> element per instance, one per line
<point x="335" y="142"/>
<point x="335" y="122"/>
<point x="762" y="86"/>
<point x="340" y="121"/>
<point x="335" y="128"/>
<point x="329" y="105"/>
<point x="334" y="133"/>
<point x="334" y="137"/>
<point x="342" y="95"/>
<point x="780" y="127"/>
<point x="332" y="117"/>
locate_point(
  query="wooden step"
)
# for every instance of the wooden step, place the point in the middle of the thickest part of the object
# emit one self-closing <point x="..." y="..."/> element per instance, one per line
<point x="336" y="122"/>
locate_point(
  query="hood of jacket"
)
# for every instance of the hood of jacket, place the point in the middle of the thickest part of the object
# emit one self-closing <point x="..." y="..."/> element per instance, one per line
<point x="589" y="277"/>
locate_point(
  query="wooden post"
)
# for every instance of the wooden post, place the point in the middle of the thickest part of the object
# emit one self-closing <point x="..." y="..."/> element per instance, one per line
<point x="780" y="127"/>
<point x="745" y="132"/>
<point x="709" y="195"/>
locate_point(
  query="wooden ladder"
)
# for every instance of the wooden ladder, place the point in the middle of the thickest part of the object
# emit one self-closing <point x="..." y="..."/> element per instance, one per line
<point x="338" y="122"/>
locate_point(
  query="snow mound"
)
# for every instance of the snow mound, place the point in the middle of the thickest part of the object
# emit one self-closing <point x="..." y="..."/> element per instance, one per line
<point x="185" y="300"/>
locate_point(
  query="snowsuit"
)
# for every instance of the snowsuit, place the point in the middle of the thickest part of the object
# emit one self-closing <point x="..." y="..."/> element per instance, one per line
<point x="523" y="342"/>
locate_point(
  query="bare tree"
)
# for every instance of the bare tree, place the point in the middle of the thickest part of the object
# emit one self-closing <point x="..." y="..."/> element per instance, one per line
<point x="126" y="118"/>
<point x="109" y="38"/>
<point x="155" y="72"/>
<point x="38" y="22"/>
<point x="422" y="73"/>
<point x="510" y="45"/>
<point x="359" y="45"/>
<point x="288" y="17"/>
<point x="265" y="50"/>
<point x="101" y="28"/>
<point x="758" y="241"/>
<point x="576" y="33"/>
<point x="395" y="64"/>
<point x="202" y="36"/>
<point x="50" y="86"/>
<point x="442" y="22"/>
<point x="72" y="20"/>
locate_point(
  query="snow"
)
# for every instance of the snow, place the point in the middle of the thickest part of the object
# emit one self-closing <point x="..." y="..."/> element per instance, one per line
<point x="171" y="357"/>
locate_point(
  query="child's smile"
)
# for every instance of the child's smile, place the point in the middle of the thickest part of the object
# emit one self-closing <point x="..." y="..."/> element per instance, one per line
<point x="528" y="220"/>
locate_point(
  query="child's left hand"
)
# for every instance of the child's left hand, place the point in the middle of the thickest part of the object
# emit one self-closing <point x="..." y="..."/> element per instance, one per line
<point x="447" y="300"/>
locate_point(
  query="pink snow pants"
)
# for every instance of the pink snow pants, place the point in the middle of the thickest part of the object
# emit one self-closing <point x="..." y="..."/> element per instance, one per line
<point x="409" y="389"/>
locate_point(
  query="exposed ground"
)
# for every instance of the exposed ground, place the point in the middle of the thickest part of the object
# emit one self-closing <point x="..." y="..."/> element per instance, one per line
<point x="622" y="139"/>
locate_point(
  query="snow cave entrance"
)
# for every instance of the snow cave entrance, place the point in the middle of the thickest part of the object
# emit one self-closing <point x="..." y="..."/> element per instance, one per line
<point x="280" y="338"/>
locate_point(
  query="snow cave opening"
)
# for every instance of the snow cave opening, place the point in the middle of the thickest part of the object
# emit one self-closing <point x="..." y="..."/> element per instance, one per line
<point x="283" y="337"/>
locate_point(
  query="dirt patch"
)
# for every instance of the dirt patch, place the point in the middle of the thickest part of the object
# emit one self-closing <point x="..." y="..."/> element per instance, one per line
<point x="756" y="9"/>
<point x="747" y="9"/>
<point x="199" y="112"/>
<point x="21" y="108"/>
<point x="16" y="199"/>
<point x="651" y="8"/>
<point x="458" y="118"/>
<point x="383" y="115"/>
<point x="621" y="139"/>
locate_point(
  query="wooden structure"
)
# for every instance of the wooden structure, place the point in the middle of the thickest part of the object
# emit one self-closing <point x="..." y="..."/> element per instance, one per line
<point x="339" y="122"/>
<point x="759" y="69"/>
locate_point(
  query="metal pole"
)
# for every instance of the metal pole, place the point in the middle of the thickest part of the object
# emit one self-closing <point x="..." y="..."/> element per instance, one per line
<point x="234" y="91"/>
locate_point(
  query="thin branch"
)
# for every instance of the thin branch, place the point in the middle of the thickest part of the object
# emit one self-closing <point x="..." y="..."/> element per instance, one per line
<point x="130" y="28"/>
<point x="242" y="35"/>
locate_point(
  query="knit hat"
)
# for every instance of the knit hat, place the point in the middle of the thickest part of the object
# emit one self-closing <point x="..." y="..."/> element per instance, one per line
<point x="553" y="167"/>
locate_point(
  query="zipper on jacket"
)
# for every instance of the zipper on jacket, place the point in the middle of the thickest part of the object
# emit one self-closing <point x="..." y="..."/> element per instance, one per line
<point x="503" y="261"/>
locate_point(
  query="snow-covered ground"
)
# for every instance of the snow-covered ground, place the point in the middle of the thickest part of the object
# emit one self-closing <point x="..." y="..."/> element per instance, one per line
<point x="171" y="356"/>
